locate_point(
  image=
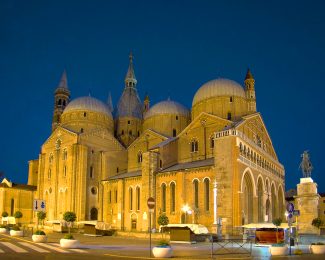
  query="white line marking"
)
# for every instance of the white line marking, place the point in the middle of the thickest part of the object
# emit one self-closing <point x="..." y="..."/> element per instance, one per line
<point x="14" y="247"/>
<point x="54" y="248"/>
<point x="78" y="250"/>
<point x="38" y="249"/>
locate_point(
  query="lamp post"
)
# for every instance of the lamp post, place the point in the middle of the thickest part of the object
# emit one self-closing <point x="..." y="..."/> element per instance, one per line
<point x="186" y="209"/>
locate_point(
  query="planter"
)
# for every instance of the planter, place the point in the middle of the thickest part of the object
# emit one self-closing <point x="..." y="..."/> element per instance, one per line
<point x="3" y="230"/>
<point x="278" y="250"/>
<point x="69" y="243"/>
<point x="18" y="233"/>
<point x="39" y="238"/>
<point x="162" y="251"/>
<point x="317" y="249"/>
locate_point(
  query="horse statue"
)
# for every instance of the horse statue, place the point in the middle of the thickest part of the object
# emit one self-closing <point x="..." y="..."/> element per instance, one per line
<point x="305" y="165"/>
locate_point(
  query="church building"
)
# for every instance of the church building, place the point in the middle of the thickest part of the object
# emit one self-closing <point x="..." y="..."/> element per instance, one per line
<point x="213" y="163"/>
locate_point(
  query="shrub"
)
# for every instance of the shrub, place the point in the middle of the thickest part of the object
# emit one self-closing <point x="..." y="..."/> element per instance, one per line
<point x="41" y="216"/>
<point x="3" y="226"/>
<point x="4" y="214"/>
<point x="163" y="243"/>
<point x="279" y="244"/>
<point x="15" y="228"/>
<point x="317" y="222"/>
<point x="39" y="232"/>
<point x="69" y="217"/>
<point x="18" y="214"/>
<point x="277" y="222"/>
<point x="68" y="236"/>
<point x="163" y="220"/>
<point x="317" y="244"/>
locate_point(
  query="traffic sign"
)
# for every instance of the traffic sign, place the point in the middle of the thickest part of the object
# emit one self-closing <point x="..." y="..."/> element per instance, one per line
<point x="290" y="215"/>
<point x="290" y="207"/>
<point x="39" y="205"/>
<point x="296" y="213"/>
<point x="151" y="203"/>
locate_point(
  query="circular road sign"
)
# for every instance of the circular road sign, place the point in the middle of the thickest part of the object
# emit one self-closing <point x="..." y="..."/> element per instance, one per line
<point x="151" y="203"/>
<point x="290" y="207"/>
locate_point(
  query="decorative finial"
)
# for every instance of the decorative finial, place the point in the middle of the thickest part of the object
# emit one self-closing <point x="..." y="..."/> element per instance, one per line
<point x="63" y="81"/>
<point x="305" y="165"/>
<point x="131" y="57"/>
<point x="130" y="79"/>
<point x="249" y="74"/>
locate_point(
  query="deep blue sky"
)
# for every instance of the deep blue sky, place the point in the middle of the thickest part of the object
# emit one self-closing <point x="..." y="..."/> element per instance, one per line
<point x="178" y="46"/>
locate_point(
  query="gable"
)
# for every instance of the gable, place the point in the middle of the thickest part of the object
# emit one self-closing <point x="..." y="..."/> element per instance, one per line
<point x="254" y="128"/>
<point x="60" y="135"/>
<point x="148" y="134"/>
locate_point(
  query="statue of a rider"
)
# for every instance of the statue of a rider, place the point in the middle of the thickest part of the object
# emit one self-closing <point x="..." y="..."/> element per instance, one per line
<point x="305" y="165"/>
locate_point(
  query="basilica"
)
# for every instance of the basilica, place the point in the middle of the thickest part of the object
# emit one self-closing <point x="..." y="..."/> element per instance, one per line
<point x="213" y="163"/>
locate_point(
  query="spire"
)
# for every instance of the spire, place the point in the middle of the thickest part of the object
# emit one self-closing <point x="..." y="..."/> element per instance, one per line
<point x="249" y="74"/>
<point x="64" y="81"/>
<point x="110" y="102"/>
<point x="130" y="79"/>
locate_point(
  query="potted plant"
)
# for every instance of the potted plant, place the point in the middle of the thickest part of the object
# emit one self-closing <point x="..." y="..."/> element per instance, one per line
<point x="3" y="229"/>
<point x="163" y="221"/>
<point x="68" y="240"/>
<point x="317" y="248"/>
<point x="40" y="217"/>
<point x="39" y="237"/>
<point x="16" y="232"/>
<point x="278" y="249"/>
<point x="18" y="215"/>
<point x="317" y="222"/>
<point x="162" y="250"/>
<point x="4" y="214"/>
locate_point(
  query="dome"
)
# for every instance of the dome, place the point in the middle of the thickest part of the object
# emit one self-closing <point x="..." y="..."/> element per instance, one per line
<point x="88" y="104"/>
<point x="218" y="87"/>
<point x="167" y="107"/>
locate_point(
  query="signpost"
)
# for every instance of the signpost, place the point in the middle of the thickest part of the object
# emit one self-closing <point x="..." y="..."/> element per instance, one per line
<point x="39" y="205"/>
<point x="291" y="212"/>
<point x="151" y="206"/>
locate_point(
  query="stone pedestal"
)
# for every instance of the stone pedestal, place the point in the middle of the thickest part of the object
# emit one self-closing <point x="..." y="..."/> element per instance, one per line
<point x="307" y="202"/>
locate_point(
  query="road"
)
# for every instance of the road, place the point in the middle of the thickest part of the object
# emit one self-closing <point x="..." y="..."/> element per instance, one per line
<point x="123" y="248"/>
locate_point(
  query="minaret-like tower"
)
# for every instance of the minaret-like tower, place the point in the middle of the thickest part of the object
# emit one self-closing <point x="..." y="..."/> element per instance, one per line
<point x="250" y="92"/>
<point x="146" y="104"/>
<point x="61" y="100"/>
<point x="129" y="110"/>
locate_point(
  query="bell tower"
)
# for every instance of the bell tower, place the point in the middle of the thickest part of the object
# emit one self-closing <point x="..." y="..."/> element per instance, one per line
<point x="250" y="92"/>
<point x="61" y="100"/>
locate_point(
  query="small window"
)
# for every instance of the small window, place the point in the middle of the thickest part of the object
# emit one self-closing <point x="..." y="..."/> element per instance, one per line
<point x="49" y="174"/>
<point x="230" y="99"/>
<point x="59" y="102"/>
<point x="65" y="171"/>
<point x="65" y="154"/>
<point x="138" y="197"/>
<point x="130" y="132"/>
<point x="176" y="117"/>
<point x="81" y="130"/>
<point x="91" y="172"/>
<point x="117" y="170"/>
<point x="130" y="199"/>
<point x="140" y="157"/>
<point x="85" y="114"/>
<point x="160" y="163"/>
<point x="115" y="196"/>
<point x="211" y="142"/>
<point x="122" y="133"/>
<point x="194" y="146"/>
<point x="229" y="116"/>
<point x="64" y="103"/>
<point x="51" y="158"/>
<point x="138" y="133"/>
<point x="110" y="197"/>
<point x="93" y="190"/>
<point x="129" y="122"/>
<point x="174" y="132"/>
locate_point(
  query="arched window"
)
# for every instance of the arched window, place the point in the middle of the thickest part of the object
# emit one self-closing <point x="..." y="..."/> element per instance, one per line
<point x="172" y="197"/>
<point x="138" y="197"/>
<point x="240" y="147"/>
<point x="12" y="207"/>
<point x="65" y="154"/>
<point x="130" y="132"/>
<point x="64" y="103"/>
<point x="64" y="171"/>
<point x="160" y="163"/>
<point x="131" y="199"/>
<point x="49" y="174"/>
<point x="229" y="116"/>
<point x="194" y="146"/>
<point x="174" y="132"/>
<point x="51" y="158"/>
<point x="115" y="196"/>
<point x="81" y="130"/>
<point x="139" y="157"/>
<point x="138" y="133"/>
<point x="163" y="197"/>
<point x="206" y="194"/>
<point x="211" y="142"/>
<point x="196" y="193"/>
<point x="59" y="102"/>
<point x="110" y="197"/>
<point x="122" y="133"/>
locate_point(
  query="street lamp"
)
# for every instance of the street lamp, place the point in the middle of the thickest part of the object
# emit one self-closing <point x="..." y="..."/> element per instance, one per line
<point x="186" y="209"/>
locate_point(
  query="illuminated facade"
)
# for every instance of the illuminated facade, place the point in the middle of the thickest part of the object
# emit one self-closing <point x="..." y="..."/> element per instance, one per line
<point x="217" y="159"/>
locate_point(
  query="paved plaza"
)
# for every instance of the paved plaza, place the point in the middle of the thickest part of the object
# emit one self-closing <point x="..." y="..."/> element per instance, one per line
<point x="116" y="247"/>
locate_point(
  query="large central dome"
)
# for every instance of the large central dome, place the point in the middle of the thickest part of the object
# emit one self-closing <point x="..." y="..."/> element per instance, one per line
<point x="88" y="104"/>
<point x="218" y="87"/>
<point x="167" y="107"/>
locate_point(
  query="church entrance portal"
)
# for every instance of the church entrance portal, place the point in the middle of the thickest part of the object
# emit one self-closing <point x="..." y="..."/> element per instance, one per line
<point x="93" y="214"/>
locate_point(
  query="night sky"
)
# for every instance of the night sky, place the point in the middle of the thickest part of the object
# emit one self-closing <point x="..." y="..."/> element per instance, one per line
<point x="177" y="46"/>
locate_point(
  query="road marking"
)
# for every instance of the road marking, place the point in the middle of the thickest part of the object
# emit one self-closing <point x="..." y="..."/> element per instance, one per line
<point x="1" y="251"/>
<point x="14" y="247"/>
<point x="38" y="249"/>
<point x="54" y="248"/>
<point x="129" y="257"/>
<point x="78" y="250"/>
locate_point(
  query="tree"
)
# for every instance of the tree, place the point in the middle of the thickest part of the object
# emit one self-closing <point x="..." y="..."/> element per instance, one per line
<point x="41" y="216"/>
<point x="277" y="222"/>
<point x="4" y="214"/>
<point x="18" y="215"/>
<point x="317" y="222"/>
<point x="163" y="221"/>
<point x="69" y="217"/>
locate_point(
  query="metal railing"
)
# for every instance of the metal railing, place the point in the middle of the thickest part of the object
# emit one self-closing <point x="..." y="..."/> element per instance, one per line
<point x="230" y="246"/>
